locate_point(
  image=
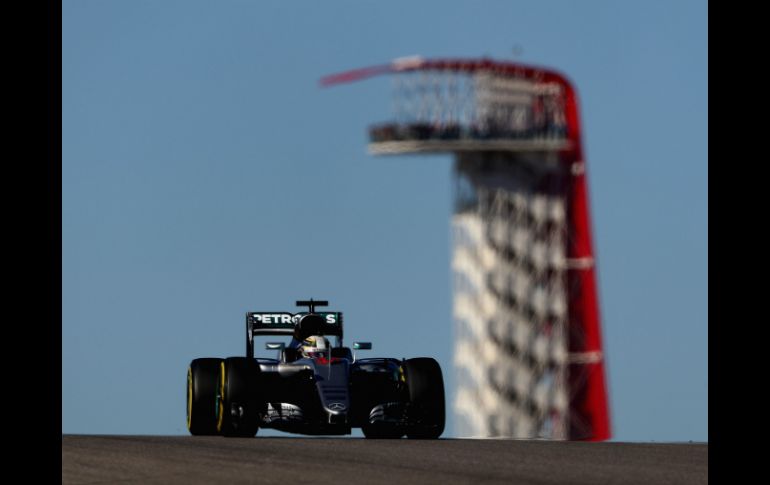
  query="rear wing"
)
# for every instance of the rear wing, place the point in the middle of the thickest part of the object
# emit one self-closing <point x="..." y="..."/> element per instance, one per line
<point x="283" y="323"/>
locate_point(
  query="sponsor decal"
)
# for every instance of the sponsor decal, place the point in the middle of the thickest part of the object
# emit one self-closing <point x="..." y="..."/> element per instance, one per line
<point x="288" y="318"/>
<point x="273" y="318"/>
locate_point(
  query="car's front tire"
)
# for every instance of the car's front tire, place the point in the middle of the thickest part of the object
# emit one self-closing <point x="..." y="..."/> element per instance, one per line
<point x="239" y="404"/>
<point x="202" y="376"/>
<point x="425" y="384"/>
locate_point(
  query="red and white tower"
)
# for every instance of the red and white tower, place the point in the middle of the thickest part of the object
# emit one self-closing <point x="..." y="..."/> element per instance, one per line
<point x="528" y="352"/>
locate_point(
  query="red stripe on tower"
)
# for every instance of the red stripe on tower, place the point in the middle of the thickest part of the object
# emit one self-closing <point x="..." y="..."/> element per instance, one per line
<point x="589" y="407"/>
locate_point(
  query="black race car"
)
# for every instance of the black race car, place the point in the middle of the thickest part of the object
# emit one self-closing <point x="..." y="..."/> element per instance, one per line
<point x="326" y="393"/>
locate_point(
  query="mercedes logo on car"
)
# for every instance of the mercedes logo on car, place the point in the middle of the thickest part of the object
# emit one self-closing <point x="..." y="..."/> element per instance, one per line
<point x="336" y="406"/>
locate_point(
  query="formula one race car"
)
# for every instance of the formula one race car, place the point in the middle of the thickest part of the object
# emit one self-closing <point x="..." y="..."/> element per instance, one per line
<point x="313" y="387"/>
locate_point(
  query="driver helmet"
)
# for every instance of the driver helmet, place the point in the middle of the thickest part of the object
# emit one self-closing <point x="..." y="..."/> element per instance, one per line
<point x="314" y="346"/>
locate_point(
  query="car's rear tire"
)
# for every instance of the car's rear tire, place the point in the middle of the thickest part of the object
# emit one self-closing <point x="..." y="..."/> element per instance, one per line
<point x="202" y="376"/>
<point x="239" y="404"/>
<point x="425" y="384"/>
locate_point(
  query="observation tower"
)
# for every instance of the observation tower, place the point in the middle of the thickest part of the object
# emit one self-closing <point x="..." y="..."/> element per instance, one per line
<point x="528" y="351"/>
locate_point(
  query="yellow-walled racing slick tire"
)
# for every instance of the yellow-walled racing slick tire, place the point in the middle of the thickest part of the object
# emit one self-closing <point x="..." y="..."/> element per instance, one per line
<point x="240" y="406"/>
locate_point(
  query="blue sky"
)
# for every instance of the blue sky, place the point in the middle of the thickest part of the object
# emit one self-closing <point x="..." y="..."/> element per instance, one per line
<point x="206" y="174"/>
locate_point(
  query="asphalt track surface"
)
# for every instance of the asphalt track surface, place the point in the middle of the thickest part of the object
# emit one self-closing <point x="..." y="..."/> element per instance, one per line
<point x="187" y="459"/>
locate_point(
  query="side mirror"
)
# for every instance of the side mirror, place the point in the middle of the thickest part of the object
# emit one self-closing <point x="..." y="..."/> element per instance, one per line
<point x="275" y="346"/>
<point x="362" y="345"/>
